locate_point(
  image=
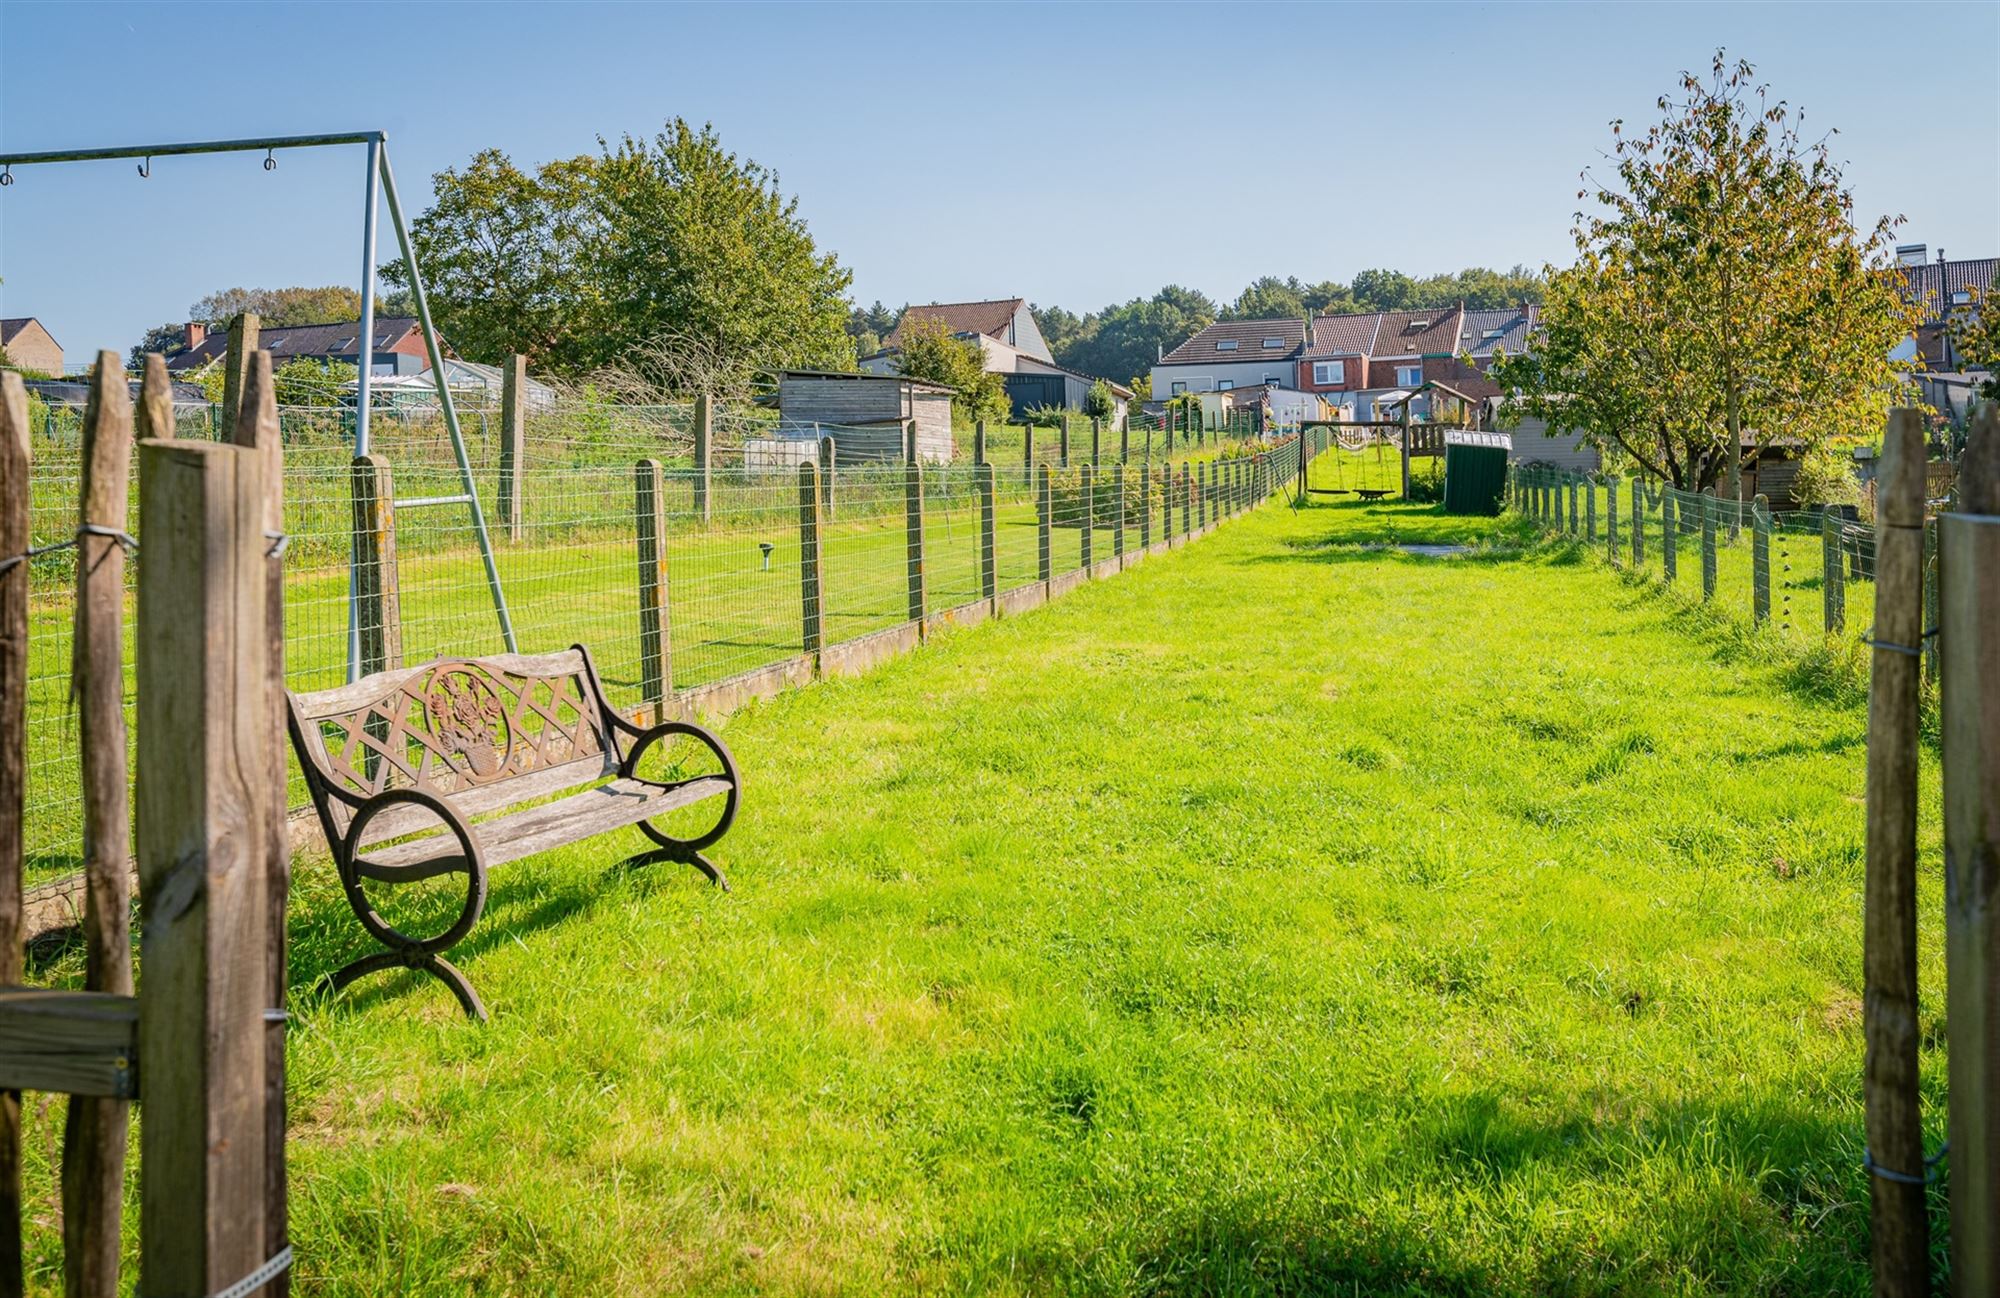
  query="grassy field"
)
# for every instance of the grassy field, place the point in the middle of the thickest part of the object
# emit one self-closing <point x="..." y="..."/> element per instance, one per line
<point x="1291" y="915"/>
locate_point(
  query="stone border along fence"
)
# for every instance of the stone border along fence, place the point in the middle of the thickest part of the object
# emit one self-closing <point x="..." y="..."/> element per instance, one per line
<point x="1805" y="573"/>
<point x="697" y="586"/>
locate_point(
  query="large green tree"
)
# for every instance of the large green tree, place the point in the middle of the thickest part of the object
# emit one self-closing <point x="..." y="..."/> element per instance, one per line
<point x="1122" y="342"/>
<point x="928" y="350"/>
<point x="653" y="247"/>
<point x="1269" y="298"/>
<point x="1720" y="289"/>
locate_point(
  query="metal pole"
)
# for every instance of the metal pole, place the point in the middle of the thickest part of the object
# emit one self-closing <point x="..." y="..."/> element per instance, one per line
<point x="366" y="364"/>
<point x="196" y="146"/>
<point x="436" y="354"/>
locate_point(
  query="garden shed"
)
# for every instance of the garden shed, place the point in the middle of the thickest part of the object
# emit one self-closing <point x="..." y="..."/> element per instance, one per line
<point x="865" y="413"/>
<point x="1475" y="472"/>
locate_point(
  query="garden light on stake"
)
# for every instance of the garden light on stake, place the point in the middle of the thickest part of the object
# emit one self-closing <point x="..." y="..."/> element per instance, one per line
<point x="766" y="547"/>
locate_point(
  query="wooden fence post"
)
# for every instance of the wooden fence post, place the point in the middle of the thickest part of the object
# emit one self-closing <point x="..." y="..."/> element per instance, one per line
<point x="1204" y="475"/>
<point x="14" y="539"/>
<point x="656" y="654"/>
<point x="704" y="454"/>
<point x="1187" y="501"/>
<point x="913" y="523"/>
<point x="1087" y="552"/>
<point x="1096" y="440"/>
<point x="1125" y="441"/>
<point x="979" y="441"/>
<point x="257" y="428"/>
<point x="93" y="1165"/>
<point x="1145" y="504"/>
<point x="1611" y="519"/>
<point x="829" y="463"/>
<point x="1969" y="709"/>
<point x="513" y="438"/>
<point x="1931" y="610"/>
<point x="1638" y="525"/>
<point x="1760" y="560"/>
<point x="154" y="416"/>
<point x="1118" y="512"/>
<point x="243" y="337"/>
<point x="1708" y="510"/>
<point x="1833" y="574"/>
<point x="1670" y="539"/>
<point x="203" y="714"/>
<point x="377" y="600"/>
<point x="1044" y="508"/>
<point x="811" y="568"/>
<point x="1898" y="1230"/>
<point x="982" y="478"/>
<point x="1575" y="486"/>
<point x="1027" y="445"/>
<point x="1590" y="509"/>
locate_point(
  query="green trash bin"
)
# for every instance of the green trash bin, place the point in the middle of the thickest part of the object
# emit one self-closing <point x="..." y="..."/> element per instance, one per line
<point x="1475" y="472"/>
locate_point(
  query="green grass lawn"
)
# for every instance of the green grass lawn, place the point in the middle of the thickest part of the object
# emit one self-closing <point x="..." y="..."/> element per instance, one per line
<point x="1289" y="915"/>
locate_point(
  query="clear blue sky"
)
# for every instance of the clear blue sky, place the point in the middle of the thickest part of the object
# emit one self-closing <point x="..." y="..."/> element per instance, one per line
<point x="1069" y="153"/>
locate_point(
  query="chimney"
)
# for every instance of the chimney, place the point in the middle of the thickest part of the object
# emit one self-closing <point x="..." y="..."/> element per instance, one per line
<point x="195" y="331"/>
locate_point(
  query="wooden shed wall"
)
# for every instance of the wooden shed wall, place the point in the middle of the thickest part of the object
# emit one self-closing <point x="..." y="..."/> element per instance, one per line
<point x="808" y="400"/>
<point x="1533" y="445"/>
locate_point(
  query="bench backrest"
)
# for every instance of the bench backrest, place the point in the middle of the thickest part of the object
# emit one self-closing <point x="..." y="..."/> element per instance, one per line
<point x="510" y="727"/>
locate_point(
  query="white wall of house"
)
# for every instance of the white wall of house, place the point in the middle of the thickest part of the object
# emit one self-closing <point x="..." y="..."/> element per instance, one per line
<point x="1210" y="375"/>
<point x="1028" y="335"/>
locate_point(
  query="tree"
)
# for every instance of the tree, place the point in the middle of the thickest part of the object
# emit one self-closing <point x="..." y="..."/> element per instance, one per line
<point x="333" y="304"/>
<point x="1061" y="330"/>
<point x="167" y="339"/>
<point x="1099" y="402"/>
<point x="1975" y="333"/>
<point x="1722" y="287"/>
<point x="1126" y="340"/>
<point x="1269" y="298"/>
<point x="1384" y="290"/>
<point x="930" y="352"/>
<point x="508" y="261"/>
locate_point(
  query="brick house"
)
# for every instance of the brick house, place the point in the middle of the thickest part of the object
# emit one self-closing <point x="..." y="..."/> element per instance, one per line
<point x="398" y="349"/>
<point x="29" y="346"/>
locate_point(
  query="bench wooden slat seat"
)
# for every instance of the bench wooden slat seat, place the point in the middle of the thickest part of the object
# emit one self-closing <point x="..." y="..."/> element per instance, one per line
<point x="457" y="765"/>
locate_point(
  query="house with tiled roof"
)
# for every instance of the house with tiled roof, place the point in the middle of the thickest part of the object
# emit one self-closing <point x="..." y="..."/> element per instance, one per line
<point x="29" y="346"/>
<point x="1940" y="288"/>
<point x="1232" y="354"/>
<point x="1003" y="328"/>
<point x="398" y="345"/>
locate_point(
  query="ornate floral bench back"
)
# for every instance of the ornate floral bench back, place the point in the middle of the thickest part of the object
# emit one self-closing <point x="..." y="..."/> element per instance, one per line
<point x="458" y="724"/>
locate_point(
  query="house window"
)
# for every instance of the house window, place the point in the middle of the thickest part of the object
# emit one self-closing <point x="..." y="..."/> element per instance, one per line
<point x="1274" y="343"/>
<point x="1179" y="387"/>
<point x="1409" y="376"/>
<point x="1960" y="298"/>
<point x="1329" y="372"/>
<point x="1276" y="381"/>
<point x="1225" y="344"/>
<point x="1224" y="385"/>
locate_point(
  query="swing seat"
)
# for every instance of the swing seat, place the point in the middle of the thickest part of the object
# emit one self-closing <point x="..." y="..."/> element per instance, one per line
<point x="1372" y="493"/>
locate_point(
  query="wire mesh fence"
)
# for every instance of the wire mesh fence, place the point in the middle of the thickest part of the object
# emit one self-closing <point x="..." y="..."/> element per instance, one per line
<point x="1807" y="574"/>
<point x="384" y="563"/>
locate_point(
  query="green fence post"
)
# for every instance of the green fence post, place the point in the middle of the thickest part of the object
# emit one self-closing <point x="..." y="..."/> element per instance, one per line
<point x="1760" y="560"/>
<point x="1118" y="512"/>
<point x="656" y="671"/>
<point x="1087" y="488"/>
<point x="1708" y="520"/>
<point x="1044" y="508"/>
<point x="982" y="480"/>
<point x="913" y="523"/>
<point x="810" y="569"/>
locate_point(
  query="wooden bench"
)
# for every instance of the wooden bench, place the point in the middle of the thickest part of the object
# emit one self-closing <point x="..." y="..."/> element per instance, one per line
<point x="450" y="768"/>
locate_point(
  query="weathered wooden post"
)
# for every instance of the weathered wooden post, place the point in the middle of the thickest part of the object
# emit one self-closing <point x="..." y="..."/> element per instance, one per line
<point x="1832" y="581"/>
<point x="1027" y="445"/>
<point x="1611" y="519"/>
<point x="979" y="441"/>
<point x="244" y="333"/>
<point x="1969" y="709"/>
<point x="203" y="819"/>
<point x="656" y="662"/>
<point x="1088" y="491"/>
<point x="829" y="463"/>
<point x="982" y="480"/>
<point x="95" y="1127"/>
<point x="1118" y="511"/>
<point x="1044" y="509"/>
<point x="1670" y="540"/>
<point x="14" y="539"/>
<point x="1062" y="445"/>
<point x="154" y="416"/>
<point x="257" y="428"/>
<point x="1187" y="501"/>
<point x="1096" y="439"/>
<point x="704" y="444"/>
<point x="1932" y="612"/>
<point x="1125" y="440"/>
<point x="1708" y="520"/>
<point x="1898" y="1229"/>
<point x="1575" y="483"/>
<point x="513" y="438"/>
<point x="1146" y="504"/>
<point x="913" y="522"/>
<point x="1638" y="525"/>
<point x="377" y="599"/>
<point x="811" y="571"/>
<point x="1760" y="560"/>
<point x="1590" y="509"/>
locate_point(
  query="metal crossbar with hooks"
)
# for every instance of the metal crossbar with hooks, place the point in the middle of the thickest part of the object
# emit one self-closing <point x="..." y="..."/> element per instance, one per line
<point x="380" y="184"/>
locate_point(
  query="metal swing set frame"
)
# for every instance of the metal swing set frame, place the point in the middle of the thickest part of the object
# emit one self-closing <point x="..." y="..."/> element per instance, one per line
<point x="380" y="184"/>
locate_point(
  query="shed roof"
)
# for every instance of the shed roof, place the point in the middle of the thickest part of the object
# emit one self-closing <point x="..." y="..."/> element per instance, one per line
<point x="916" y="385"/>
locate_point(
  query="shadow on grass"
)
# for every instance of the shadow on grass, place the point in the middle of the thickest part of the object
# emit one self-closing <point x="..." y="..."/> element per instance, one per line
<point x="1764" y="1190"/>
